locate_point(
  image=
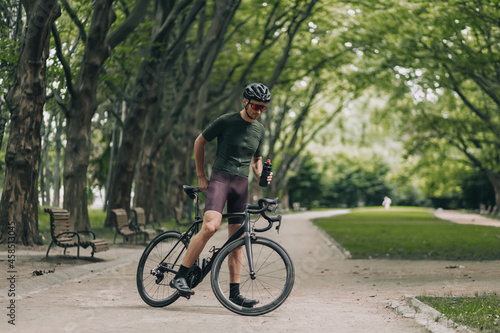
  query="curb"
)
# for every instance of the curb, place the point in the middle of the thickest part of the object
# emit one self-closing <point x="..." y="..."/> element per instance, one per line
<point x="423" y="314"/>
<point x="409" y="306"/>
<point x="330" y="241"/>
<point x="39" y="283"/>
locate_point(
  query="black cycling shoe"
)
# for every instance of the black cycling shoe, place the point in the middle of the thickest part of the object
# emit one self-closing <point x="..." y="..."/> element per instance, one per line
<point x="182" y="287"/>
<point x="243" y="301"/>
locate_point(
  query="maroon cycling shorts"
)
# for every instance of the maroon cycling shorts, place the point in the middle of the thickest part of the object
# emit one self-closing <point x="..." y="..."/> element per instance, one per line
<point x="224" y="187"/>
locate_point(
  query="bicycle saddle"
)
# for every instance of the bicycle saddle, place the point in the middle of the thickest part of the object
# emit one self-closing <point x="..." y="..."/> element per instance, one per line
<point x="191" y="191"/>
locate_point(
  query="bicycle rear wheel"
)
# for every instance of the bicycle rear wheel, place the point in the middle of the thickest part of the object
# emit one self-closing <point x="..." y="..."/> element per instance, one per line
<point x="273" y="281"/>
<point x="152" y="278"/>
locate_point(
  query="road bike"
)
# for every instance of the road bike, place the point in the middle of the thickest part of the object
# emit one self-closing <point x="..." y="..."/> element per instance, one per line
<point x="267" y="271"/>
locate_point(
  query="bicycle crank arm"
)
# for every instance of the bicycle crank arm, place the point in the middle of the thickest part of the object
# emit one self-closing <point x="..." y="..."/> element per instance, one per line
<point x="162" y="268"/>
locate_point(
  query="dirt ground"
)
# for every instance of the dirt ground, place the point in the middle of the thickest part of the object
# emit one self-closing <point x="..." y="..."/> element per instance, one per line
<point x="331" y="293"/>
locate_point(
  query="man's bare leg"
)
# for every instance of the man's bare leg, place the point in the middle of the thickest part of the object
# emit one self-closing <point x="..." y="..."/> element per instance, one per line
<point x="211" y="223"/>
<point x="235" y="260"/>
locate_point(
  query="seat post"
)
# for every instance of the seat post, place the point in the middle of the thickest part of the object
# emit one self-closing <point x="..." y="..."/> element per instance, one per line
<point x="197" y="217"/>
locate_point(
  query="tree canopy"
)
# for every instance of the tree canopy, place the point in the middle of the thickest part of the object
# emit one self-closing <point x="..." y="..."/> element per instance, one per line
<point x="369" y="99"/>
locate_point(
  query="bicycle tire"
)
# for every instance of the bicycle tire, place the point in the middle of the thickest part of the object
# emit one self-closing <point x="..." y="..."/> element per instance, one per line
<point x="273" y="282"/>
<point x="158" y="293"/>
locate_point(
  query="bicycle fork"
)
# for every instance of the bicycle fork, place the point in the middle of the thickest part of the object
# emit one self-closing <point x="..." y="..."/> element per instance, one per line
<point x="248" y="246"/>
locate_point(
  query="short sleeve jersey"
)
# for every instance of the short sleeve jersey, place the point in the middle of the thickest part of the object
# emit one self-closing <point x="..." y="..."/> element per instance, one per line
<point x="237" y="142"/>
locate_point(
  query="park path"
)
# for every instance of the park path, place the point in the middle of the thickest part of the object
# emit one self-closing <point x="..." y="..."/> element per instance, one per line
<point x="466" y="218"/>
<point x="331" y="293"/>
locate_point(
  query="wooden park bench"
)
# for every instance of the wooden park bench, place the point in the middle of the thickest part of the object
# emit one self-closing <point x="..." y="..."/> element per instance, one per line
<point x="63" y="236"/>
<point x="140" y="216"/>
<point x="122" y="225"/>
<point x="140" y="223"/>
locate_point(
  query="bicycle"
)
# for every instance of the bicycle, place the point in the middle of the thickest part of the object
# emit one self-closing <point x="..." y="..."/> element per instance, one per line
<point x="267" y="270"/>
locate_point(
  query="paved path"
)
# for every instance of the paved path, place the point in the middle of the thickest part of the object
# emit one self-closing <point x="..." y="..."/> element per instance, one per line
<point x="465" y="218"/>
<point x="331" y="293"/>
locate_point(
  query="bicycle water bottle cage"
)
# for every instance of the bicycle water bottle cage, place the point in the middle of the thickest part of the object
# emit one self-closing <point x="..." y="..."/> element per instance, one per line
<point x="213" y="249"/>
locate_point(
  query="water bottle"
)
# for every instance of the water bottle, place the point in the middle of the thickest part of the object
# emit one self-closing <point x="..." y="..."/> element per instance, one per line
<point x="266" y="170"/>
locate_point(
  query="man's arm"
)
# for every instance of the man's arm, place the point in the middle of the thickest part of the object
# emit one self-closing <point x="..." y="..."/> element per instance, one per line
<point x="257" y="166"/>
<point x="199" y="159"/>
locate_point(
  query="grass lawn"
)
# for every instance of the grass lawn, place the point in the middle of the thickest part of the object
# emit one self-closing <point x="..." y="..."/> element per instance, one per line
<point x="480" y="312"/>
<point x="410" y="233"/>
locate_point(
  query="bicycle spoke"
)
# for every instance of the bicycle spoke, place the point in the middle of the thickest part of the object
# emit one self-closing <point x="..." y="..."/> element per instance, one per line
<point x="154" y="288"/>
<point x="271" y="284"/>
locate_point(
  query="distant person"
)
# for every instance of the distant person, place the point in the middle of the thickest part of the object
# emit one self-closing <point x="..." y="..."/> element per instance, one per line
<point x="387" y="202"/>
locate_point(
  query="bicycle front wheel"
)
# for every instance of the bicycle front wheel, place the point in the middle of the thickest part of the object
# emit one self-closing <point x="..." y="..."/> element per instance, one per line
<point x="271" y="284"/>
<point x="157" y="266"/>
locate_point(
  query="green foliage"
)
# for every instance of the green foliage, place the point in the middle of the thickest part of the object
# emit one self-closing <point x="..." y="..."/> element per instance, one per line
<point x="416" y="234"/>
<point x="481" y="312"/>
<point x="357" y="182"/>
<point x="307" y="186"/>
<point x="476" y="190"/>
<point x="439" y="64"/>
<point x="386" y="71"/>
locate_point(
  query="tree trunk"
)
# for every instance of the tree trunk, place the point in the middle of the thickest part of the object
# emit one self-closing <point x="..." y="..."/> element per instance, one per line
<point x="26" y="98"/>
<point x="3" y="122"/>
<point x="147" y="165"/>
<point x="57" y="161"/>
<point x="193" y="94"/>
<point x="182" y="163"/>
<point x="45" y="174"/>
<point x="159" y="211"/>
<point x="115" y="145"/>
<point x="84" y="103"/>
<point x="76" y="164"/>
<point x="494" y="178"/>
<point x="41" y="173"/>
<point x="145" y="99"/>
<point x="79" y="118"/>
<point x="121" y="186"/>
<point x="179" y="174"/>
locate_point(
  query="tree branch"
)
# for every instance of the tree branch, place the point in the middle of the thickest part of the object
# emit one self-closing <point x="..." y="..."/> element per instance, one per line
<point x="64" y="63"/>
<point x="129" y="25"/>
<point x="75" y="20"/>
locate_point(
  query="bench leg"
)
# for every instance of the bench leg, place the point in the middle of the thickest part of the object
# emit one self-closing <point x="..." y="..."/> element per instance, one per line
<point x="47" y="254"/>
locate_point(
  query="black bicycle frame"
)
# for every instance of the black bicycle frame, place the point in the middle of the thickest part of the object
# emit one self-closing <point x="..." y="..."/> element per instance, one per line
<point x="243" y="230"/>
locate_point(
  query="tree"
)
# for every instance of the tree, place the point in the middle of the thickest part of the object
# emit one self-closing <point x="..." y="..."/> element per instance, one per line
<point x="306" y="187"/>
<point x="442" y="57"/>
<point x="99" y="42"/>
<point x="146" y="100"/>
<point x="10" y="31"/>
<point x="26" y="98"/>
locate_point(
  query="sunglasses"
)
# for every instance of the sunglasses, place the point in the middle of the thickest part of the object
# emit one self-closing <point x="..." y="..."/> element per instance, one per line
<point x="258" y="107"/>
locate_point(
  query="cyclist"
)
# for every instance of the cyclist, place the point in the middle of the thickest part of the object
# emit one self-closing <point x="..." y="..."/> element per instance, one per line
<point x="239" y="146"/>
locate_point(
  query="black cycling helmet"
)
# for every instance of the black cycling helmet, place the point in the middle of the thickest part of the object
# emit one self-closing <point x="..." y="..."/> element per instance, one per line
<point x="258" y="92"/>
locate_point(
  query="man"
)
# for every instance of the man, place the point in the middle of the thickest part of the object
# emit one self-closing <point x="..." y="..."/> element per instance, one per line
<point x="239" y="146"/>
